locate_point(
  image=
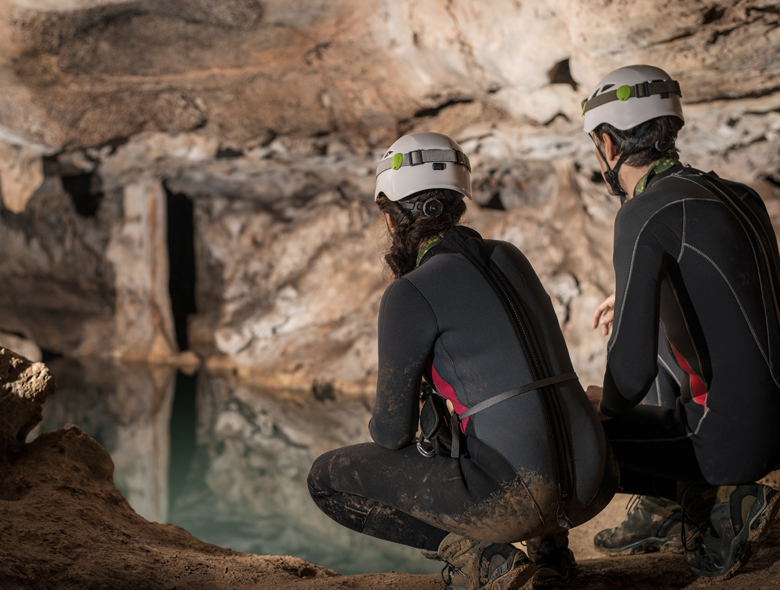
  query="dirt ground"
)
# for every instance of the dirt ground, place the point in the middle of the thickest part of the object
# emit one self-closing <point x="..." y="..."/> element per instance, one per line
<point x="64" y="525"/>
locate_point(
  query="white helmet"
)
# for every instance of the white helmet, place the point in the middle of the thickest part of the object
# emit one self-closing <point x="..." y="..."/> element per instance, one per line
<point x="630" y="96"/>
<point x="423" y="161"/>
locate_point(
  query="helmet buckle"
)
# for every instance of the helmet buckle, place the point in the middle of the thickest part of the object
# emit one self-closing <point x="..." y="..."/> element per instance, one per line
<point x="415" y="158"/>
<point x="642" y="89"/>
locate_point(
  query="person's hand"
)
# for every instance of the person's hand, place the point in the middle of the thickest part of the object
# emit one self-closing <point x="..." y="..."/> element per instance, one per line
<point x="595" y="393"/>
<point x="604" y="314"/>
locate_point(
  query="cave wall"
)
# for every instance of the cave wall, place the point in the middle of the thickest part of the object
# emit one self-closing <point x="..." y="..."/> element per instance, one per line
<point x="270" y="117"/>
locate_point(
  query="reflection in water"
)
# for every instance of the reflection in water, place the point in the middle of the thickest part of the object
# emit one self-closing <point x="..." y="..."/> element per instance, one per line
<point x="227" y="463"/>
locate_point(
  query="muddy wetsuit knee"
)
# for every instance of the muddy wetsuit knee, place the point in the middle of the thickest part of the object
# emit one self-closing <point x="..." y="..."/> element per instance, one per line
<point x="698" y="255"/>
<point x="473" y="320"/>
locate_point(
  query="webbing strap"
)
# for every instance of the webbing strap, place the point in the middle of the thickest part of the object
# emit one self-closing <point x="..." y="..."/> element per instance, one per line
<point x="497" y="399"/>
<point x="637" y="91"/>
<point x="417" y="157"/>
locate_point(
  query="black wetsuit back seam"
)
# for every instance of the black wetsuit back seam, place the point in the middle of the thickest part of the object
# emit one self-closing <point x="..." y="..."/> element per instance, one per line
<point x="728" y="195"/>
<point x="616" y="335"/>
<point x="741" y="307"/>
<point x="691" y="339"/>
<point x="454" y="367"/>
<point x="757" y="261"/>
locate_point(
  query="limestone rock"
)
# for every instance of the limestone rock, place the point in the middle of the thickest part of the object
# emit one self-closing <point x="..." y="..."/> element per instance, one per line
<point x="21" y="174"/>
<point x="717" y="50"/>
<point x="138" y="254"/>
<point x="270" y="117"/>
<point x="22" y="346"/>
<point x="24" y="387"/>
<point x="63" y="521"/>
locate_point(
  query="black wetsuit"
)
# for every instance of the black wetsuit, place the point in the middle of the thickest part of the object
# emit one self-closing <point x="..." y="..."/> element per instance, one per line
<point x="456" y="324"/>
<point x="698" y="254"/>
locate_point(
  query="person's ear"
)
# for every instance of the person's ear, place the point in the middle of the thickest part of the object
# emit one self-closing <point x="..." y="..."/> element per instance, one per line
<point x="391" y="223"/>
<point x="608" y="149"/>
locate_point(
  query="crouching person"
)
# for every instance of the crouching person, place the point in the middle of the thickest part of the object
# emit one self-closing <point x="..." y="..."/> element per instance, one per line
<point x="523" y="456"/>
<point x="695" y="255"/>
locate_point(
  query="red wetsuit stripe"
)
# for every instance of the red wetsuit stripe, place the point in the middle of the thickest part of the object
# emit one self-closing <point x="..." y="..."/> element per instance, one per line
<point x="447" y="392"/>
<point x="698" y="388"/>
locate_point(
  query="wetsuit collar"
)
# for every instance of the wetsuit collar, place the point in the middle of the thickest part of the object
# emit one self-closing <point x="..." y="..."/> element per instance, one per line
<point x="661" y="165"/>
<point x="443" y="243"/>
<point x="429" y="244"/>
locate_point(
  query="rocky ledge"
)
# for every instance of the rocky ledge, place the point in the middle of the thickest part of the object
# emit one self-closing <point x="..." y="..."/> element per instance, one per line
<point x="63" y="524"/>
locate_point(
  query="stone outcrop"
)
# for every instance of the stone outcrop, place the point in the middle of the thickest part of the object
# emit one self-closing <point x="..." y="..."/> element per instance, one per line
<point x="24" y="386"/>
<point x="268" y="119"/>
<point x="64" y="524"/>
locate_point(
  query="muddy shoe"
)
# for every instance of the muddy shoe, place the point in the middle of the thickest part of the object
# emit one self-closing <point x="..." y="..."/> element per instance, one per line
<point x="730" y="518"/>
<point x="652" y="524"/>
<point x="554" y="570"/>
<point x="554" y="561"/>
<point x="476" y="565"/>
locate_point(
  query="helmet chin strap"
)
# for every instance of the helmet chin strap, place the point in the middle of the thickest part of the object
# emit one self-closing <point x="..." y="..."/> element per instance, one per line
<point x="611" y="175"/>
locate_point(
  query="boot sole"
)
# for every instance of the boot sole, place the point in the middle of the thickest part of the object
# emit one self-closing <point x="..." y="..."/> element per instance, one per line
<point x="549" y="578"/>
<point x="514" y="579"/>
<point x="648" y="545"/>
<point x="753" y="531"/>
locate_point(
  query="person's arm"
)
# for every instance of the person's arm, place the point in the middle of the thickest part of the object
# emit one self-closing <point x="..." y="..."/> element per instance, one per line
<point x="407" y="333"/>
<point x="641" y="261"/>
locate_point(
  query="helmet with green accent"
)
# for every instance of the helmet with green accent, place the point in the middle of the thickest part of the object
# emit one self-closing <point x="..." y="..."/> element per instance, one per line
<point x="630" y="96"/>
<point x="633" y="99"/>
<point x="423" y="161"/>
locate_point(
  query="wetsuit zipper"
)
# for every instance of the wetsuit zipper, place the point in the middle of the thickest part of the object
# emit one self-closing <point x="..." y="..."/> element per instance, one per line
<point x="564" y="462"/>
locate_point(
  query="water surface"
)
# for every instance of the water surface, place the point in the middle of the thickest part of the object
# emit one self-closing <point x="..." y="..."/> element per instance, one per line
<point x="226" y="462"/>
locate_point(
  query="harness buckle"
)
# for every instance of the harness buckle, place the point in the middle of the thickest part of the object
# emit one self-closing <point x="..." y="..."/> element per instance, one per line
<point x="425" y="452"/>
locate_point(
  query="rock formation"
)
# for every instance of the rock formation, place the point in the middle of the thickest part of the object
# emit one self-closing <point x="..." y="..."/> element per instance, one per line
<point x="199" y="175"/>
<point x="226" y="461"/>
<point x="24" y="386"/>
<point x="63" y="524"/>
<point x="266" y="119"/>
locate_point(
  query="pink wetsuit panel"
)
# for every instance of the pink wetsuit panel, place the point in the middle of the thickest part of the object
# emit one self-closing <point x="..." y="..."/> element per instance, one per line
<point x="446" y="390"/>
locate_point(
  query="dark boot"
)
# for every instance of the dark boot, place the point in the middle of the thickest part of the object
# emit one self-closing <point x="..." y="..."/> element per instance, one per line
<point x="651" y="524"/>
<point x="554" y="560"/>
<point x="476" y="565"/>
<point x="729" y="519"/>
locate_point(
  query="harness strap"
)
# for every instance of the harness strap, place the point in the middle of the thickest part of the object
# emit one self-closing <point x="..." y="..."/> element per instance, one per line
<point x="497" y="399"/>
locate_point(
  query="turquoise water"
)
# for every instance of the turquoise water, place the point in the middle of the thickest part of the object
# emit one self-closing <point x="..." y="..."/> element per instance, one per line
<point x="225" y="462"/>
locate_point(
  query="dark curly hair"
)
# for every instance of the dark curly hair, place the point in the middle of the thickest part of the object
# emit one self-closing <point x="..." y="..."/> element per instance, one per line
<point x="656" y="142"/>
<point x="415" y="228"/>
